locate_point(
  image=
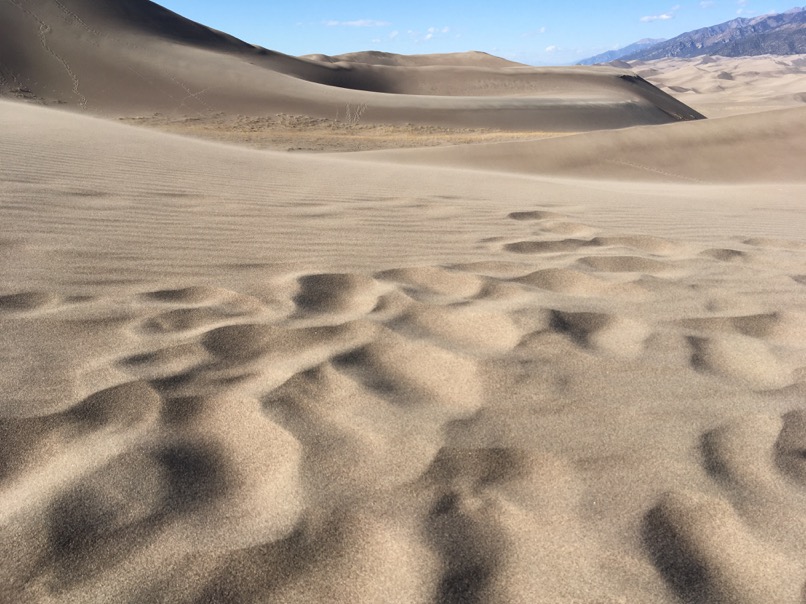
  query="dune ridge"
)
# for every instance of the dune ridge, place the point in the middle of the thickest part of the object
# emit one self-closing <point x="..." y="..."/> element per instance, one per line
<point x="127" y="58"/>
<point x="746" y="148"/>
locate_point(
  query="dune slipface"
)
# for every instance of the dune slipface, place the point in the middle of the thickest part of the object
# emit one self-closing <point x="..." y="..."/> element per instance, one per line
<point x="555" y="371"/>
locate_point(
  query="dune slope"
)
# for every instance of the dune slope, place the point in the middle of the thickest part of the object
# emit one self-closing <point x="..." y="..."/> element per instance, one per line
<point x="240" y="376"/>
<point x="767" y="147"/>
<point x="134" y="57"/>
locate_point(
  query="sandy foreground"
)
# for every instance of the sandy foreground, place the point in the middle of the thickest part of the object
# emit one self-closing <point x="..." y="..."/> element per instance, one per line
<point x="243" y="376"/>
<point x="555" y="369"/>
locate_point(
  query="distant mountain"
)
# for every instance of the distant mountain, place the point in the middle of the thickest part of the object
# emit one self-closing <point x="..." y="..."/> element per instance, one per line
<point x="780" y="34"/>
<point x="613" y="55"/>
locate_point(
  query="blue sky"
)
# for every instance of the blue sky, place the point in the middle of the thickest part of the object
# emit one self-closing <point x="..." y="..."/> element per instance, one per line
<point x="538" y="33"/>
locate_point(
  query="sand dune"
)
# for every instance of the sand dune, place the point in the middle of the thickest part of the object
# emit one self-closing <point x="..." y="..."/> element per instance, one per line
<point x="544" y="371"/>
<point x="769" y="147"/>
<point x="241" y="376"/>
<point x="453" y="59"/>
<point x="133" y="57"/>
<point x="722" y="86"/>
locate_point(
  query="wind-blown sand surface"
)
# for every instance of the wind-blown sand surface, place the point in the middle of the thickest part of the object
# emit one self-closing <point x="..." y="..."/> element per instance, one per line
<point x="241" y="376"/>
<point x="546" y="371"/>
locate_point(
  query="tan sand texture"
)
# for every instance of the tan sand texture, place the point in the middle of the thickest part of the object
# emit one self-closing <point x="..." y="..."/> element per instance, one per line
<point x="514" y="373"/>
<point x="240" y="376"/>
<point x="721" y="86"/>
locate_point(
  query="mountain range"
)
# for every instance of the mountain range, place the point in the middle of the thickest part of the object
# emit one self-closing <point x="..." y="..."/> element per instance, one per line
<point x="777" y="34"/>
<point x="614" y="55"/>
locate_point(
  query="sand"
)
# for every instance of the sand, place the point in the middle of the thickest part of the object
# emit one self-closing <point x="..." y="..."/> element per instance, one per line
<point x="539" y="371"/>
<point x="723" y="86"/>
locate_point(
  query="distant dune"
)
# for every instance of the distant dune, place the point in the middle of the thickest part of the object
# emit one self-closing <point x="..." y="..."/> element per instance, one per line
<point x="454" y="59"/>
<point x="720" y="86"/>
<point x="770" y="147"/>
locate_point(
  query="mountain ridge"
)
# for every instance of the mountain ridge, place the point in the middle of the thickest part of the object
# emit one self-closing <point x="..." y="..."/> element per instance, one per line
<point x="777" y="34"/>
<point x="772" y="34"/>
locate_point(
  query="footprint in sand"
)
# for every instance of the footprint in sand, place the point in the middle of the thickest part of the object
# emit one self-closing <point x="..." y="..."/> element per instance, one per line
<point x="601" y="331"/>
<point x="28" y="301"/>
<point x="747" y="545"/>
<point x="748" y="360"/>
<point x="533" y="215"/>
<point x="576" y="283"/>
<point x="431" y="283"/>
<point x="336" y="293"/>
<point x="626" y="264"/>
<point x="546" y="247"/>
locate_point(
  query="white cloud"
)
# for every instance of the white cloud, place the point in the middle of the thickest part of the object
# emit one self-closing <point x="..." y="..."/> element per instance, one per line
<point x="661" y="17"/>
<point x="552" y="48"/>
<point x="669" y="14"/>
<point x="706" y="3"/>
<point x="358" y="23"/>
<point x="393" y="34"/>
<point x="535" y="32"/>
<point x="430" y="34"/>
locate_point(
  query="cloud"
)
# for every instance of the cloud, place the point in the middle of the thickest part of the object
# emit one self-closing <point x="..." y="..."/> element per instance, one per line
<point x="430" y="34"/>
<point x="706" y="3"/>
<point x="552" y="48"/>
<point x="358" y="23"/>
<point x="661" y="17"/>
<point x="669" y="14"/>
<point x="393" y="34"/>
<point x="535" y="32"/>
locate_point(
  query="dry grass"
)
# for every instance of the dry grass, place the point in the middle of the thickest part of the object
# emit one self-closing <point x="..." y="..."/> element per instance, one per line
<point x="304" y="133"/>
